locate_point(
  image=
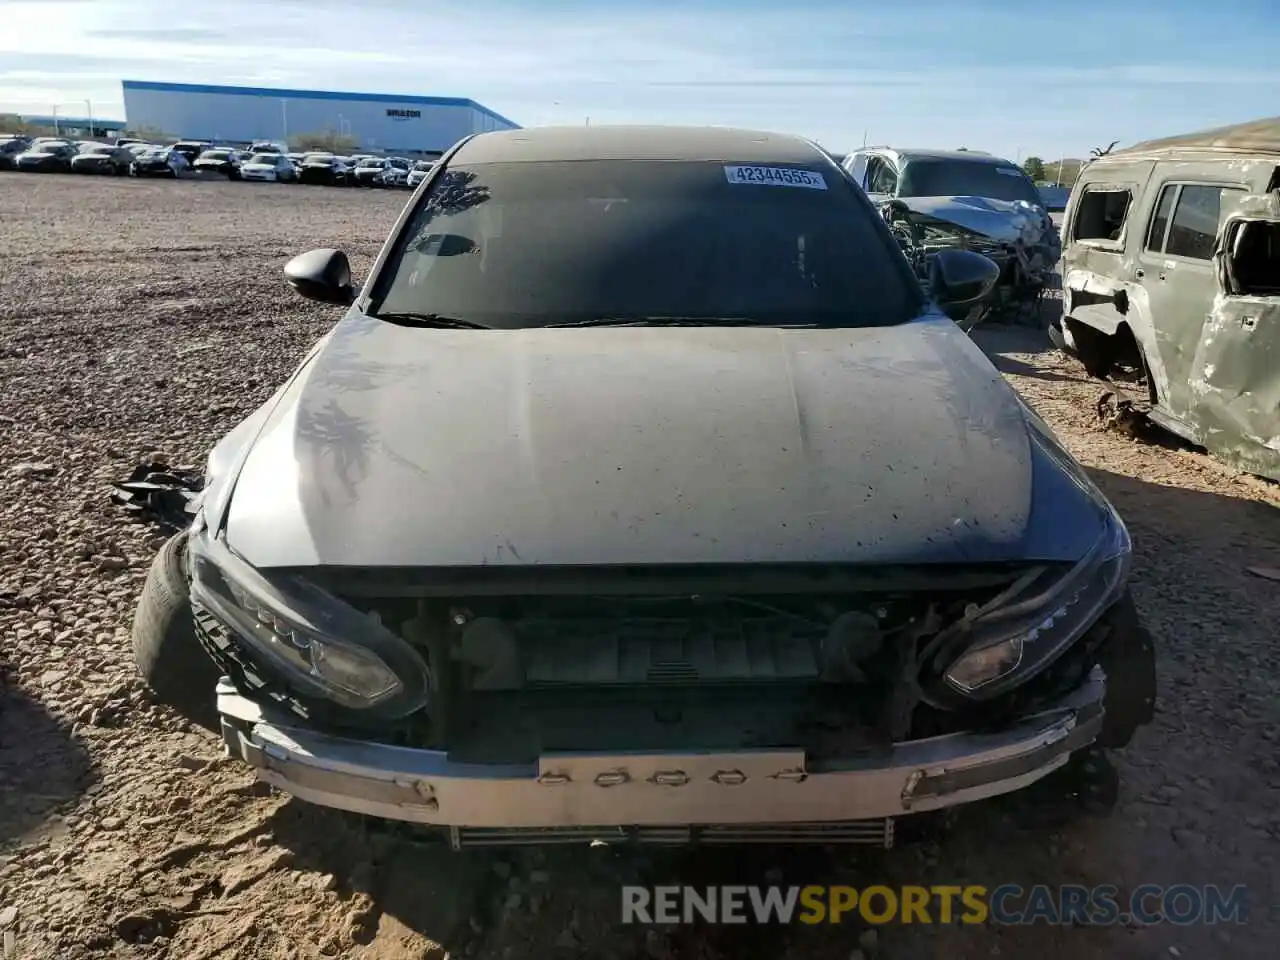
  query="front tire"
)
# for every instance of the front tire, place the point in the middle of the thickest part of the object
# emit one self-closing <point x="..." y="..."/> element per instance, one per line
<point x="165" y="648"/>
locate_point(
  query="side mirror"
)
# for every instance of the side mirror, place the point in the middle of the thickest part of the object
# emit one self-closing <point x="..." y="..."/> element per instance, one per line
<point x="961" y="277"/>
<point x="323" y="275"/>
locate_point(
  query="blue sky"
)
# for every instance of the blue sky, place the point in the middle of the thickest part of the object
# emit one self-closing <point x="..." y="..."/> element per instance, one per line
<point x="1013" y="78"/>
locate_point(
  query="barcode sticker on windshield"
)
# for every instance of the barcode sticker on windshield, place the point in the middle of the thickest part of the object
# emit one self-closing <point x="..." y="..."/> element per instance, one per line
<point x="1009" y="171"/>
<point x="775" y="177"/>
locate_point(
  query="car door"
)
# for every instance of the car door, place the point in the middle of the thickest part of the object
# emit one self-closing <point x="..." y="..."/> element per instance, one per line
<point x="1176" y="271"/>
<point x="1234" y="376"/>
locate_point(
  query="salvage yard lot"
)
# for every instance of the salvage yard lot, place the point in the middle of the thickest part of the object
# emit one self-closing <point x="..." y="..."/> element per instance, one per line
<point x="141" y="316"/>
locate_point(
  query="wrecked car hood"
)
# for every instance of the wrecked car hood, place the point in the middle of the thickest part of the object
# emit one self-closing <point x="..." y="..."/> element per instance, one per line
<point x="401" y="447"/>
<point x="1007" y="221"/>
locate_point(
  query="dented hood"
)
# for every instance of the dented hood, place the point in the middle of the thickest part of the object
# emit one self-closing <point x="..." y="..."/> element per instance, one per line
<point x="400" y="447"/>
<point x="1009" y="221"/>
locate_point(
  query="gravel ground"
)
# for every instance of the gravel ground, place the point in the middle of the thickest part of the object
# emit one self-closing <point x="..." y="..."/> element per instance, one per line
<point x="145" y="316"/>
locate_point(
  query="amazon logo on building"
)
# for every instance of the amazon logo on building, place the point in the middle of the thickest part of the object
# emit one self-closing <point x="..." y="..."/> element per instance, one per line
<point x="397" y="114"/>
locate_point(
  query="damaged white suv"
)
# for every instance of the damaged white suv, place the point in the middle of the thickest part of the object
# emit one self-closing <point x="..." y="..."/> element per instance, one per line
<point x="641" y="492"/>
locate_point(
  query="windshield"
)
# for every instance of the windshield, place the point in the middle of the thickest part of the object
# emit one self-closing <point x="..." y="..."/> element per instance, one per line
<point x="216" y="155"/>
<point x="318" y="158"/>
<point x="423" y="165"/>
<point x="270" y="159"/>
<point x="97" y="148"/>
<point x="372" y="162"/>
<point x="966" y="178"/>
<point x="529" y="244"/>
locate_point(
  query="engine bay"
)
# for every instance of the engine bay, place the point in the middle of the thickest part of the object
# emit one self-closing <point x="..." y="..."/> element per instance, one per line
<point x="515" y="677"/>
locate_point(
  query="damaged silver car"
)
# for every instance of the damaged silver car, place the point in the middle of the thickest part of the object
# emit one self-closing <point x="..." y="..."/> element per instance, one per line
<point x="1171" y="278"/>
<point x="948" y="199"/>
<point x="641" y="493"/>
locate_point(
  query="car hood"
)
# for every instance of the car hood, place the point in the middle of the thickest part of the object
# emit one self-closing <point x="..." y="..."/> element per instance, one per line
<point x="402" y="447"/>
<point x="1004" y="220"/>
<point x="258" y="167"/>
<point x="37" y="155"/>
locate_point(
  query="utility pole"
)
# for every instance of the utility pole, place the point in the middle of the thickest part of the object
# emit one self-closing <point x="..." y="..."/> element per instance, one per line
<point x="284" y="119"/>
<point x="90" y="108"/>
<point x="864" y="136"/>
<point x="56" y="131"/>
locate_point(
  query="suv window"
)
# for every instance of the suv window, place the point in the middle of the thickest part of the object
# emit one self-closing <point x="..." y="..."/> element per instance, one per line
<point x="1194" y="228"/>
<point x="881" y="177"/>
<point x="1185" y="222"/>
<point x="1255" y="266"/>
<point x="1102" y="212"/>
<point x="1160" y="219"/>
<point x="528" y="244"/>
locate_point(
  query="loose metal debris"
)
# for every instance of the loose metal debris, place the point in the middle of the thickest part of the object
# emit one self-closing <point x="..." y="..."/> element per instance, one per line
<point x="159" y="494"/>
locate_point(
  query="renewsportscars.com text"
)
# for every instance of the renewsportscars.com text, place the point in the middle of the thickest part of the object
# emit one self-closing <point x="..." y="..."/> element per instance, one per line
<point x="1008" y="904"/>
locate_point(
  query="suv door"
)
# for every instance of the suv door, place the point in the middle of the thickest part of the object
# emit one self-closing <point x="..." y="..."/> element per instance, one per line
<point x="1234" y="376"/>
<point x="1175" y="269"/>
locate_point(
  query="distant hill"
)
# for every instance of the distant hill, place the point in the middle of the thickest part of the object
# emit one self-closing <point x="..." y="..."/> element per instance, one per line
<point x="1067" y="176"/>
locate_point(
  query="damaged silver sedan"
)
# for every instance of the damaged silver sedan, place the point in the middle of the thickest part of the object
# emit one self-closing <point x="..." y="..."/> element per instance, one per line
<point x="964" y="199"/>
<point x="641" y="493"/>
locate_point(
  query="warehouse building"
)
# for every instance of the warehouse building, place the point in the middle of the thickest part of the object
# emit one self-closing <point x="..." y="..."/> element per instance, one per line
<point x="376" y="122"/>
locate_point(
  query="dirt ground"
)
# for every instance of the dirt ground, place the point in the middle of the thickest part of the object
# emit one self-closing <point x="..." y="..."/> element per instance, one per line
<point x="147" y="316"/>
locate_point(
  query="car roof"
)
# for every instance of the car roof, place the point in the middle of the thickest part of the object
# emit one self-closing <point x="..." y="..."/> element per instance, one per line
<point x="1253" y="136"/>
<point x="928" y="153"/>
<point x="636" y="143"/>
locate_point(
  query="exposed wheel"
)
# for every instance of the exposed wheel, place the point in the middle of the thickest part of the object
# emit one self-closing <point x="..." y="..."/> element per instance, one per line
<point x="165" y="648"/>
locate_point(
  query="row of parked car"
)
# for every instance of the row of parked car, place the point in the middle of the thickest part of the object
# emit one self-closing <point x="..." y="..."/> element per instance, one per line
<point x="263" y="161"/>
<point x="269" y="162"/>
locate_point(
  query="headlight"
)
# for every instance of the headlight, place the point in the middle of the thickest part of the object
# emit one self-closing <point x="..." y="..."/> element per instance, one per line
<point x="317" y="643"/>
<point x="1012" y="639"/>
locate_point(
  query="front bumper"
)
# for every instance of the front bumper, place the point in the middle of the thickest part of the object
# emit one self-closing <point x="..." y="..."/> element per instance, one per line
<point x="772" y="793"/>
<point x="254" y="175"/>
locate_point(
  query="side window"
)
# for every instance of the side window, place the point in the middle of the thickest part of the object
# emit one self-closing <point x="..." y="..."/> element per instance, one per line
<point x="881" y="177"/>
<point x="1160" y="219"/>
<point x="1194" y="228"/>
<point x="1253" y="269"/>
<point x="1101" y="212"/>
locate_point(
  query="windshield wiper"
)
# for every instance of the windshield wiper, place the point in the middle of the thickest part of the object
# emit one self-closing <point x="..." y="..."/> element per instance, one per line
<point x="430" y="320"/>
<point x="676" y="322"/>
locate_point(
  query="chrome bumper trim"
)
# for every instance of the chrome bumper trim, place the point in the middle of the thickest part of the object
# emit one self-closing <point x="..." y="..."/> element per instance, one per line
<point x="740" y="791"/>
